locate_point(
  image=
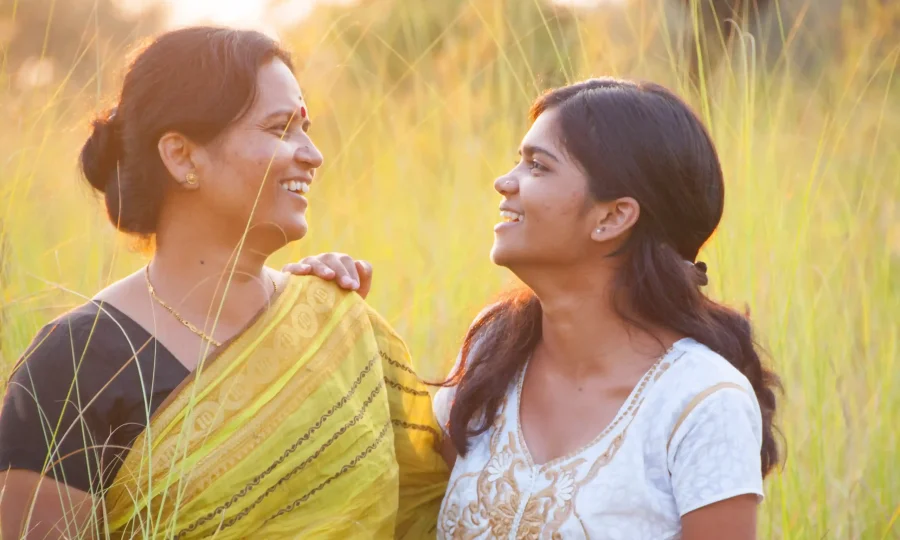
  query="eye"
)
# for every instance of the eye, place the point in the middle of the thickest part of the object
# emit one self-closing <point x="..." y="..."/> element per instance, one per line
<point x="535" y="166"/>
<point x="288" y="126"/>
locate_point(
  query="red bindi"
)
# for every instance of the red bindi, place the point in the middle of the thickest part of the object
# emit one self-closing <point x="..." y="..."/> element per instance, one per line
<point x="302" y="112"/>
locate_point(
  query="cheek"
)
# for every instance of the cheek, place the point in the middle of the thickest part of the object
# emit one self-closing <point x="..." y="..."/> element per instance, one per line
<point x="556" y="210"/>
<point x="251" y="161"/>
<point x="272" y="155"/>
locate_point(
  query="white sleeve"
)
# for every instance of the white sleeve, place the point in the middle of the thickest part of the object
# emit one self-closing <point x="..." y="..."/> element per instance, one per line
<point x="443" y="400"/>
<point x="714" y="453"/>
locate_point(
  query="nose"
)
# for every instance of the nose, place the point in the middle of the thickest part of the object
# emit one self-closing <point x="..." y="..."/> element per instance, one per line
<point x="506" y="185"/>
<point x="308" y="155"/>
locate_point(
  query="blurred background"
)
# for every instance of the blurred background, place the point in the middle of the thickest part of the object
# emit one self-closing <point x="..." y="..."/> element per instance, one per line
<point x="420" y="104"/>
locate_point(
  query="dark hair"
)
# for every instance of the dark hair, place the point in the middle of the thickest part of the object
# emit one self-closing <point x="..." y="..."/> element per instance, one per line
<point x="195" y="81"/>
<point x="634" y="140"/>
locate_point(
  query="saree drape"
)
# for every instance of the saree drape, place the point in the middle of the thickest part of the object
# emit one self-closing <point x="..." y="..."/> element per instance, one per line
<point x="310" y="424"/>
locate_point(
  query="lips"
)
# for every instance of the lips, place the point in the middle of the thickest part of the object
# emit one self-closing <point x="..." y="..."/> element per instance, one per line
<point x="295" y="186"/>
<point x="508" y="216"/>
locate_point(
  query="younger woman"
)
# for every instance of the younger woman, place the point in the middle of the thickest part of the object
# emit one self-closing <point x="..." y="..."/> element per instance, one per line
<point x="611" y="399"/>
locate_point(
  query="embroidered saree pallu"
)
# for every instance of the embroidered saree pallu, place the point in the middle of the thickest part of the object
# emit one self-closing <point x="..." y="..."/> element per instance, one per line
<point x="309" y="424"/>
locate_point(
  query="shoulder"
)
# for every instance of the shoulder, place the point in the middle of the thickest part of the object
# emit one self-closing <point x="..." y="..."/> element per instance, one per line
<point x="71" y="358"/>
<point x="56" y="388"/>
<point x="445" y="395"/>
<point x="327" y="299"/>
<point x="322" y="295"/>
<point x="487" y="311"/>
<point x="70" y="330"/>
<point x="706" y="428"/>
<point x="694" y="367"/>
<point x="79" y="338"/>
<point x="311" y="297"/>
<point x="695" y="377"/>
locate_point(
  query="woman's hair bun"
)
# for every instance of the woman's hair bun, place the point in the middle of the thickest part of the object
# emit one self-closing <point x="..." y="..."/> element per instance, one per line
<point x="100" y="153"/>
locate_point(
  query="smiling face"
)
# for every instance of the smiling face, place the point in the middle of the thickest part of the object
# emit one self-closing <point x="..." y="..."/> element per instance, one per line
<point x="260" y="168"/>
<point x="548" y="215"/>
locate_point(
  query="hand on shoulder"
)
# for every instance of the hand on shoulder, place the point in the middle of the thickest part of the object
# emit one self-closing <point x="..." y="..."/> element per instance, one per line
<point x="349" y="274"/>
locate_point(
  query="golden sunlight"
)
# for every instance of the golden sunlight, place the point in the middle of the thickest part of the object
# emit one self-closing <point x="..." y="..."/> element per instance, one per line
<point x="219" y="11"/>
<point x="258" y="14"/>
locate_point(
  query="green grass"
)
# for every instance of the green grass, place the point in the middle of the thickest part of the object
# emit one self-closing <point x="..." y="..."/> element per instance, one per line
<point x="415" y="123"/>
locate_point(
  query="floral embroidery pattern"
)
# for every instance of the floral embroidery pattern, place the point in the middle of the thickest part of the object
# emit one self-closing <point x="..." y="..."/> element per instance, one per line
<point x="634" y="479"/>
<point x="509" y="480"/>
<point x="500" y="496"/>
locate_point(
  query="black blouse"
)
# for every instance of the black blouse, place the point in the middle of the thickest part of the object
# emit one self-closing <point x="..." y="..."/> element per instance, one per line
<point x="78" y="434"/>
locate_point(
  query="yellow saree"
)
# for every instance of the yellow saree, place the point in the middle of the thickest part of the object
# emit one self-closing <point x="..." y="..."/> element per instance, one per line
<point x="310" y="424"/>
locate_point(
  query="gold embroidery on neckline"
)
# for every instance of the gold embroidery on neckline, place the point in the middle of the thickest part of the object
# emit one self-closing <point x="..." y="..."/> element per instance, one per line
<point x="490" y="506"/>
<point x="633" y="402"/>
<point x="499" y="496"/>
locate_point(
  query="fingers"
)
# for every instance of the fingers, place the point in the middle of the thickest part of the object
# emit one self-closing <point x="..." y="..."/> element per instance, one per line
<point x="301" y="268"/>
<point x="317" y="265"/>
<point x="364" y="269"/>
<point x="320" y="268"/>
<point x="328" y="266"/>
<point x="348" y="276"/>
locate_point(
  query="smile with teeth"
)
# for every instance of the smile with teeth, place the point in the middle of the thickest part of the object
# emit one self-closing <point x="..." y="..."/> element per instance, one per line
<point x="295" y="186"/>
<point x="511" y="217"/>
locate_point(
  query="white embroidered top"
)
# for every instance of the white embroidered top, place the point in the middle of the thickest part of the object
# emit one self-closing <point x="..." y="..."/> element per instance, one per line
<point x="688" y="436"/>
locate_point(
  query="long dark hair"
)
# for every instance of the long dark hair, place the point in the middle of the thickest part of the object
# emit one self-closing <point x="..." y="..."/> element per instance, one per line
<point x="634" y="140"/>
<point x="196" y="81"/>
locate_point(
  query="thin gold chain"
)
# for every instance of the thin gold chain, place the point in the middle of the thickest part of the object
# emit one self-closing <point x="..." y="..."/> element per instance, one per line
<point x="181" y="319"/>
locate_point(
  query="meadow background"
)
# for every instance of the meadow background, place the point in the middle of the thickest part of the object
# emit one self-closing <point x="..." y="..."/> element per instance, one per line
<point x="419" y="105"/>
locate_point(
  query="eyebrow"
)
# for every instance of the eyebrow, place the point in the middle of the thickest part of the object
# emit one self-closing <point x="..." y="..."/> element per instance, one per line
<point x="291" y="114"/>
<point x="532" y="149"/>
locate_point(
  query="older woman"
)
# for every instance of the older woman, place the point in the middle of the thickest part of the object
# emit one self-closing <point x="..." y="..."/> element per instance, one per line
<point x="207" y="393"/>
<point x="611" y="398"/>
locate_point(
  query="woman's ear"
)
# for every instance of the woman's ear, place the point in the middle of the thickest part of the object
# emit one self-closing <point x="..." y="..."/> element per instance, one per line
<point x="614" y="219"/>
<point x="176" y="152"/>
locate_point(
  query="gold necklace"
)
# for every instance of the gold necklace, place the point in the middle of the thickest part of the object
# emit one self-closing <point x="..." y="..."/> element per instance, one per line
<point x="181" y="319"/>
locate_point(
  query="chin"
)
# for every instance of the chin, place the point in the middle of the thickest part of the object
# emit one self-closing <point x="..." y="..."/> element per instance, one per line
<point x="273" y="236"/>
<point x="502" y="257"/>
<point x="518" y="256"/>
<point x="295" y="231"/>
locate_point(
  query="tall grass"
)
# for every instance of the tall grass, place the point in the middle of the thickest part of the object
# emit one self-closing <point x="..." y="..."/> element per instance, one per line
<point x="416" y="122"/>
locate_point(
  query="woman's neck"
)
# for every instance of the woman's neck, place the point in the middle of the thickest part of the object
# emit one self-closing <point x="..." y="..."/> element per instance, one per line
<point x="201" y="278"/>
<point x="583" y="333"/>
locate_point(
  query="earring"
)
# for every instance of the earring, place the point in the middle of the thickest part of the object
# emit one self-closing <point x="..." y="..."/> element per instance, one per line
<point x="601" y="230"/>
<point x="191" y="178"/>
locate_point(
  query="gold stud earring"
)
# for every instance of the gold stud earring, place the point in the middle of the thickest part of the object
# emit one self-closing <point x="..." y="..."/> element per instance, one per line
<point x="191" y="178"/>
